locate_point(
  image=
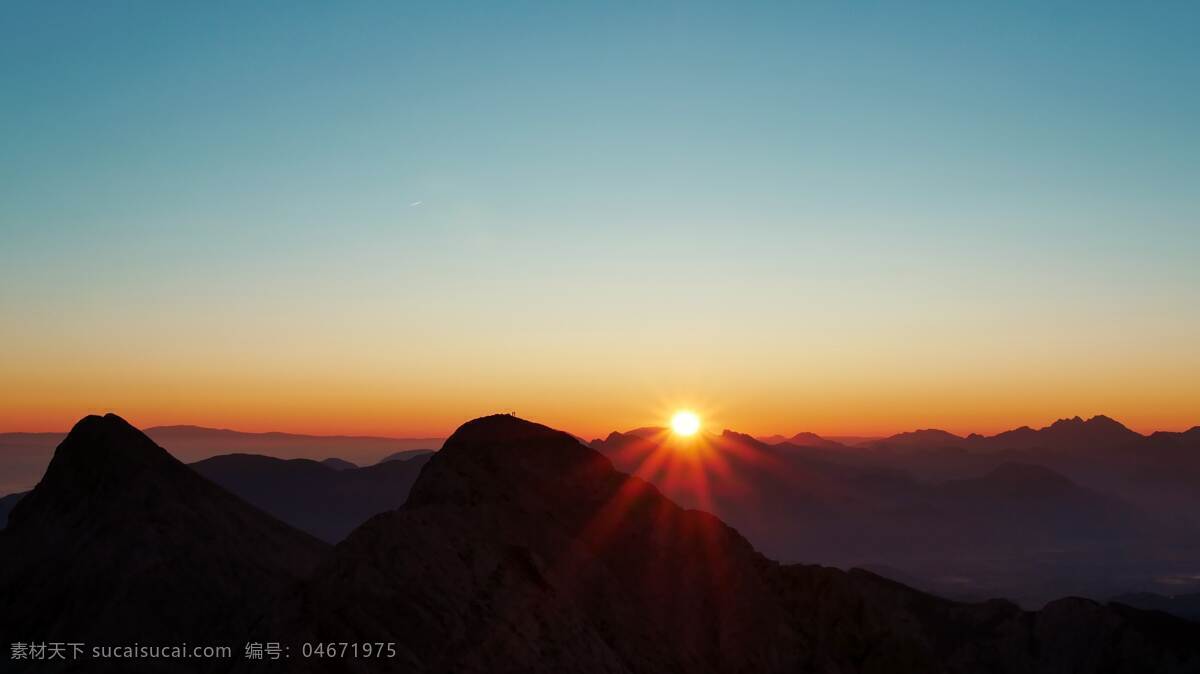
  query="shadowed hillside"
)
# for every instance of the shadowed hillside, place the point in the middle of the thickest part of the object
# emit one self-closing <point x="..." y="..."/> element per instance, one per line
<point x="1011" y="529"/>
<point x="312" y="496"/>
<point x="521" y="550"/>
<point x="120" y="542"/>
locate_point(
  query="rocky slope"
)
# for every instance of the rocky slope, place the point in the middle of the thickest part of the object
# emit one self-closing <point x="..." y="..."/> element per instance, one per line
<point x="121" y="543"/>
<point x="521" y="550"/>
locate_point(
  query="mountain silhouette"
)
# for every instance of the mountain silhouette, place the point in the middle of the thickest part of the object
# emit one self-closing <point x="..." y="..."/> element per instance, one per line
<point x="407" y="454"/>
<point x="773" y="439"/>
<point x="803" y="439"/>
<point x="1156" y="473"/>
<point x="1098" y="433"/>
<point x="310" y="495"/>
<point x="194" y="443"/>
<point x="121" y="542"/>
<point x="24" y="456"/>
<point x="927" y="437"/>
<point x="338" y="464"/>
<point x="7" y="503"/>
<point x="520" y="549"/>
<point x="1182" y="605"/>
<point x="1007" y="528"/>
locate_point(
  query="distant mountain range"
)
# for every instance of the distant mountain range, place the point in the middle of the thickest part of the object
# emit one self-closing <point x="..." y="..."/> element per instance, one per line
<point x="803" y="440"/>
<point x="1097" y="433"/>
<point x="324" y="501"/>
<point x="964" y="523"/>
<point x="193" y="443"/>
<point x="536" y="555"/>
<point x="1157" y="473"/>
<point x="518" y="549"/>
<point x="1023" y="514"/>
<point x="1183" y="605"/>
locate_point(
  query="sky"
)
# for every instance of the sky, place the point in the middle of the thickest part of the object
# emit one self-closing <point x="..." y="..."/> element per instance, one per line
<point x="389" y="218"/>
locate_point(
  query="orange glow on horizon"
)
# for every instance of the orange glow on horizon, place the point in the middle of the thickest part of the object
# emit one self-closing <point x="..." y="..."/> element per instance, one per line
<point x="52" y="401"/>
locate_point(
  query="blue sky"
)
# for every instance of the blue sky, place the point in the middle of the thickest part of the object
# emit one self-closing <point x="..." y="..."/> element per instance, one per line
<point x="224" y="176"/>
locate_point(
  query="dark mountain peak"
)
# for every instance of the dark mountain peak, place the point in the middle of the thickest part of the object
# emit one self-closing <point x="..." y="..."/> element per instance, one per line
<point x="647" y="431"/>
<point x="1075" y="434"/>
<point x="522" y="550"/>
<point x="802" y="439"/>
<point x="806" y="439"/>
<point x="735" y="436"/>
<point x="923" y="437"/>
<point x="1101" y="423"/>
<point x="502" y="429"/>
<point x="614" y="436"/>
<point x="110" y="440"/>
<point x="503" y="456"/>
<point x="1097" y="423"/>
<point x="934" y="432"/>
<point x="118" y="535"/>
<point x="100" y="457"/>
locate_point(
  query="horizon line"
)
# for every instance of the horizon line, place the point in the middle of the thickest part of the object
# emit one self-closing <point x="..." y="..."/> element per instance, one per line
<point x="756" y="435"/>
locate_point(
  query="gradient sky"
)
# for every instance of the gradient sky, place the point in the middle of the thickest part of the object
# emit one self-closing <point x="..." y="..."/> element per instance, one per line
<point x="372" y="218"/>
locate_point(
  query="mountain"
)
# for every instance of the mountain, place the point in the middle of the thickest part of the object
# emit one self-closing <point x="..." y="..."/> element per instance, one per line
<point x="121" y="543"/>
<point x="1099" y="433"/>
<point x="812" y="440"/>
<point x="1182" y="605"/>
<point x="7" y="503"/>
<point x="1157" y="473"/>
<point x="1011" y="529"/>
<point x="193" y="443"/>
<point x="338" y="464"/>
<point x="802" y="440"/>
<point x="1166" y="439"/>
<point x="520" y="549"/>
<point x="925" y="438"/>
<point x="311" y="496"/>
<point x="407" y="454"/>
<point x="24" y="456"/>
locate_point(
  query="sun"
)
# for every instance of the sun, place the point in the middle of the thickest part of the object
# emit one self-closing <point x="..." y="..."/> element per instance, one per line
<point x="685" y="423"/>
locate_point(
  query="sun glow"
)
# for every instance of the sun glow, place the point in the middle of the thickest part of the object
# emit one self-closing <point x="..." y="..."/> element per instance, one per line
<point x="685" y="423"/>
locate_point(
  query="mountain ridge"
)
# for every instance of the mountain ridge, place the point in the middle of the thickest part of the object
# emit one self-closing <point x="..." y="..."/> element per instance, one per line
<point x="549" y="559"/>
<point x="119" y="535"/>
